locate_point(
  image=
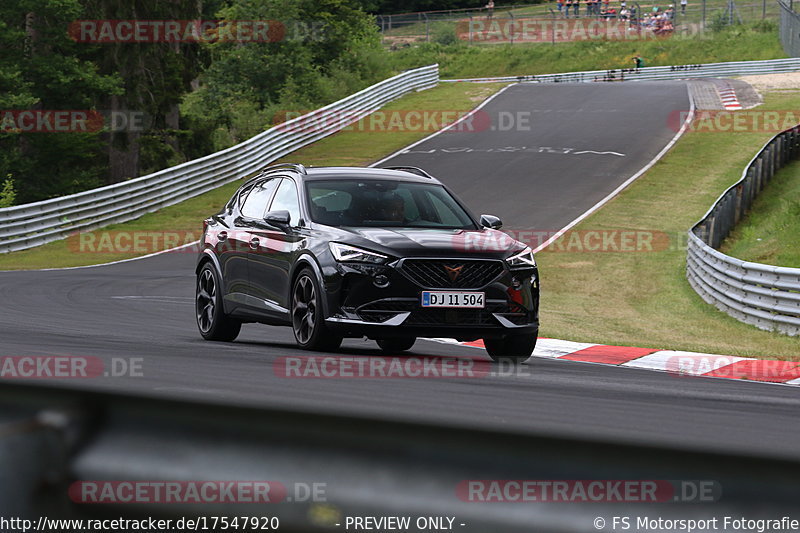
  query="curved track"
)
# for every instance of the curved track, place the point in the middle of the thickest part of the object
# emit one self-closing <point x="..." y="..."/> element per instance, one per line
<point x="143" y="309"/>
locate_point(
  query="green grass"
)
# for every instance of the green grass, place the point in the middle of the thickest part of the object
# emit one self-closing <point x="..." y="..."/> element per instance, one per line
<point x="770" y="233"/>
<point x="358" y="146"/>
<point x="643" y="299"/>
<point x="738" y="43"/>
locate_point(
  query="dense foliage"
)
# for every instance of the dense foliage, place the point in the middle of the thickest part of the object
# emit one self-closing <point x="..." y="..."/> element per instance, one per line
<point x="163" y="102"/>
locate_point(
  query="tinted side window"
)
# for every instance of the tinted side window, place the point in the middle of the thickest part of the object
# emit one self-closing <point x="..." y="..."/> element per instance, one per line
<point x="255" y="205"/>
<point x="286" y="200"/>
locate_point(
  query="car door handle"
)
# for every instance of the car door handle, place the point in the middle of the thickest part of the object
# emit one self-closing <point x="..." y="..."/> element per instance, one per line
<point x="222" y="235"/>
<point x="254" y="242"/>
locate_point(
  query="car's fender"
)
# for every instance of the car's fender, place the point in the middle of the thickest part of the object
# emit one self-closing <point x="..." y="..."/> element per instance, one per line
<point x="308" y="260"/>
<point x="204" y="257"/>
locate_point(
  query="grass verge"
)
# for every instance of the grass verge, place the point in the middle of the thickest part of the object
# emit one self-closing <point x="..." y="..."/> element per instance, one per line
<point x="770" y="233"/>
<point x="358" y="145"/>
<point x="643" y="299"/>
<point x="737" y="43"/>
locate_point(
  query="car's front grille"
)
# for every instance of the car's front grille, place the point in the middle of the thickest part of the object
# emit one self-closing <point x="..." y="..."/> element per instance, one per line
<point x="382" y="310"/>
<point x="451" y="274"/>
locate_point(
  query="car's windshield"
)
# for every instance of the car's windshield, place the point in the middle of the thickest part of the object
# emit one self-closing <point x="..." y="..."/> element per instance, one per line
<point x="385" y="203"/>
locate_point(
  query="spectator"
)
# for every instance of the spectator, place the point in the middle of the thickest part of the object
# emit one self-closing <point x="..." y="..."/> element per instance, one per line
<point x="560" y="6"/>
<point x="638" y="61"/>
<point x="567" y="7"/>
<point x="490" y="8"/>
<point x="683" y="6"/>
<point x="576" y="4"/>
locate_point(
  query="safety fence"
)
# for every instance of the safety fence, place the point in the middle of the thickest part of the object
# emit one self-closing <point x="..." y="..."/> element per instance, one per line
<point x="789" y="29"/>
<point x="471" y="25"/>
<point x="33" y="224"/>
<point x="765" y="296"/>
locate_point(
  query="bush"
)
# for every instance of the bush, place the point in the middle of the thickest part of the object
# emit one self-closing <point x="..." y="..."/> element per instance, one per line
<point x="445" y="34"/>
<point x="7" y="194"/>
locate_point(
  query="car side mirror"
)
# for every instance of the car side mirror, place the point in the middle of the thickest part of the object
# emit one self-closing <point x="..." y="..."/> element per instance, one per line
<point x="278" y="218"/>
<point x="491" y="221"/>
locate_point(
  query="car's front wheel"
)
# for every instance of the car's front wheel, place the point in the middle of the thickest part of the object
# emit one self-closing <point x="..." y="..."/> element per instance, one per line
<point x="212" y="321"/>
<point x="514" y="348"/>
<point x="308" y="322"/>
<point x="398" y="345"/>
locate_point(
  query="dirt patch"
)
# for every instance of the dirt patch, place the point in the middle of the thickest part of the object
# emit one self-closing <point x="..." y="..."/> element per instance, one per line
<point x="774" y="82"/>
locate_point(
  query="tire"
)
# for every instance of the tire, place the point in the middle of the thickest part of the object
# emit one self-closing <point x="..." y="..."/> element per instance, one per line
<point x="516" y="349"/>
<point x="308" y="322"/>
<point x="213" y="323"/>
<point x="401" y="344"/>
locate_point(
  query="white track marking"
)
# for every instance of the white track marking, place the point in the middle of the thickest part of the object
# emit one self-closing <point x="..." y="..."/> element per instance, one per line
<point x="627" y="182"/>
<point x="434" y="134"/>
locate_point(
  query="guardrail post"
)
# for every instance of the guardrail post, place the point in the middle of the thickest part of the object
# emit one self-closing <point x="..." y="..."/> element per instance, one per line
<point x="781" y="151"/>
<point x="769" y="162"/>
<point x="712" y="231"/>
<point x="748" y="188"/>
<point x="737" y="213"/>
<point x="776" y="160"/>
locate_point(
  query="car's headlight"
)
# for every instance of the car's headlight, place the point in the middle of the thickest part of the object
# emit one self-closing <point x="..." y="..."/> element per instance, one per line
<point x="343" y="252"/>
<point x="523" y="259"/>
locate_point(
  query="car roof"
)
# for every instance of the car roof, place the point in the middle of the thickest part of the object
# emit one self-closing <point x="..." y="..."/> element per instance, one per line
<point x="333" y="173"/>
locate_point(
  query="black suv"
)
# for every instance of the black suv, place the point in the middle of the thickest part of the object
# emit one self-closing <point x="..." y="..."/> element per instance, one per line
<point x="390" y="254"/>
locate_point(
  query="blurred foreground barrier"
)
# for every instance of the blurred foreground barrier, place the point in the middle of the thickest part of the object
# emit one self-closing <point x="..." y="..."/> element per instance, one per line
<point x="72" y="454"/>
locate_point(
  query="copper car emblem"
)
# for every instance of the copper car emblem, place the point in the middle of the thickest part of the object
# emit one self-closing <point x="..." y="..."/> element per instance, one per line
<point x="453" y="272"/>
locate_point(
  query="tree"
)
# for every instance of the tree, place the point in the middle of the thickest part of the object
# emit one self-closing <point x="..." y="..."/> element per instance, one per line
<point x="321" y="51"/>
<point x="42" y="69"/>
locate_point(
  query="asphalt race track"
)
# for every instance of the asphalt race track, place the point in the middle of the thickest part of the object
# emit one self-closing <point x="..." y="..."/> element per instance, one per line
<point x="144" y="309"/>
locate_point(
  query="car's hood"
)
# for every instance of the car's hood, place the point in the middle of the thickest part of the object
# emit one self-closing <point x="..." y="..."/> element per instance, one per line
<point x="483" y="243"/>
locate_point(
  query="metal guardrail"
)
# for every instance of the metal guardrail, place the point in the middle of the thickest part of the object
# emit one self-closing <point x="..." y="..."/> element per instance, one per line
<point x="33" y="224"/>
<point x="765" y="296"/>
<point x="673" y="72"/>
<point x="366" y="466"/>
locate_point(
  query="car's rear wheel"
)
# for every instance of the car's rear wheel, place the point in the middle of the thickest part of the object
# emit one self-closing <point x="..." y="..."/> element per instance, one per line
<point x="212" y="321"/>
<point x="397" y="345"/>
<point x="515" y="348"/>
<point x="308" y="322"/>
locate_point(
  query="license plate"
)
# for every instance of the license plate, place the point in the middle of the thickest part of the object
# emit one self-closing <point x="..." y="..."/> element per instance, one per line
<point x="470" y="300"/>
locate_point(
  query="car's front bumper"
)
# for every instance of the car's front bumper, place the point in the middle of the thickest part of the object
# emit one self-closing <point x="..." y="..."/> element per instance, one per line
<point x="361" y="306"/>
